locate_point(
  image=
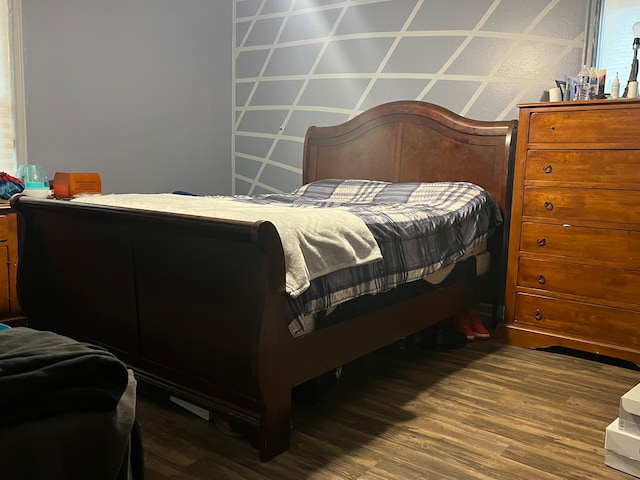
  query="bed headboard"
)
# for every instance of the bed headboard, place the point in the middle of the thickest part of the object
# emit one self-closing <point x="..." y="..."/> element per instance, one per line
<point x="412" y="141"/>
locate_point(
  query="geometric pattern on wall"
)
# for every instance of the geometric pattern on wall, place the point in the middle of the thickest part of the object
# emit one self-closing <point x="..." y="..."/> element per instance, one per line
<point x="321" y="62"/>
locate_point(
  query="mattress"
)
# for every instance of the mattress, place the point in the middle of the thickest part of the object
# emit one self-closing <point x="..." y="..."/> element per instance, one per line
<point x="475" y="262"/>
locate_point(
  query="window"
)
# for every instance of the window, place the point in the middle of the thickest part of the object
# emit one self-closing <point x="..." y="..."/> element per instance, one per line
<point x="614" y="49"/>
<point x="12" y="145"/>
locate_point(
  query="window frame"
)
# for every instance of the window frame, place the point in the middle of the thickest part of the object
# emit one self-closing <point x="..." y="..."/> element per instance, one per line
<point x="592" y="39"/>
<point x="14" y="144"/>
<point x="592" y="32"/>
<point x="16" y="53"/>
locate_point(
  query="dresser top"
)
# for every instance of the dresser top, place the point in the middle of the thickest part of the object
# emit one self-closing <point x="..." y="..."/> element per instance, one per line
<point x="635" y="102"/>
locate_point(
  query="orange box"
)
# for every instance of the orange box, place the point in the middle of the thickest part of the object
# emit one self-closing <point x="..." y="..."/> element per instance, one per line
<point x="70" y="184"/>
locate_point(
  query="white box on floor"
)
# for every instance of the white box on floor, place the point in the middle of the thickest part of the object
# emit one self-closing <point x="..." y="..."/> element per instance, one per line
<point x="622" y="463"/>
<point x="629" y="414"/>
<point x="622" y="450"/>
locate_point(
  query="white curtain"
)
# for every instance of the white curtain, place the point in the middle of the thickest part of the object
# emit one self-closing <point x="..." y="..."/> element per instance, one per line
<point x="7" y="143"/>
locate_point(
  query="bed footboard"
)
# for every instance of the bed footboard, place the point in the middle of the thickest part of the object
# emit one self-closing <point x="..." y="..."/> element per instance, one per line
<point x="193" y="306"/>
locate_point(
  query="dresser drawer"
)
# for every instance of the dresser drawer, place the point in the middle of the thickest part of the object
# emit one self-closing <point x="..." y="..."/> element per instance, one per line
<point x="604" y="324"/>
<point x="616" y="206"/>
<point x="620" y="246"/>
<point x="4" y="228"/>
<point x="583" y="280"/>
<point x="585" y="126"/>
<point x="619" y="167"/>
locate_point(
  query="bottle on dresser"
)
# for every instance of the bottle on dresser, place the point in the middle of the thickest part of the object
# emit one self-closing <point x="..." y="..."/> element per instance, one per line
<point x="583" y="84"/>
<point x="594" y="83"/>
<point x="615" y="87"/>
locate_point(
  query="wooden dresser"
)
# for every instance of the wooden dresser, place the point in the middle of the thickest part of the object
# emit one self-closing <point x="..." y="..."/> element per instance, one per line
<point x="573" y="275"/>
<point x="10" y="312"/>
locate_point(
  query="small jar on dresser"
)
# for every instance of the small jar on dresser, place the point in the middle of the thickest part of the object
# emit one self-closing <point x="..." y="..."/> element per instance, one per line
<point x="573" y="273"/>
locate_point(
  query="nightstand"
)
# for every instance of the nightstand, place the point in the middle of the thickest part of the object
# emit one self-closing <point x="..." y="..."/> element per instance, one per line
<point x="10" y="312"/>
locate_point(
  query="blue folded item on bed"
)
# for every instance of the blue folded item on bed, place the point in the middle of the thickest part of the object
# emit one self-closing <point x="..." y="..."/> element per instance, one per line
<point x="44" y="374"/>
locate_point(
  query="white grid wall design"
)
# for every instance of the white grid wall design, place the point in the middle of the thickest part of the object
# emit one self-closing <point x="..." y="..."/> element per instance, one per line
<point x="321" y="62"/>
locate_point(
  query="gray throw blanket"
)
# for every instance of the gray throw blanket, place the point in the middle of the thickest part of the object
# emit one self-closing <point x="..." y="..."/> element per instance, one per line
<point x="315" y="241"/>
<point x="44" y="374"/>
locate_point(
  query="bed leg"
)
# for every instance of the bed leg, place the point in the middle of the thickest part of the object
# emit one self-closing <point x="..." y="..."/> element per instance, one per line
<point x="275" y="428"/>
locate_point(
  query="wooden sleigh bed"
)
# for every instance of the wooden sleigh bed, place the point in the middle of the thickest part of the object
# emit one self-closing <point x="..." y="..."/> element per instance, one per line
<point x="196" y="306"/>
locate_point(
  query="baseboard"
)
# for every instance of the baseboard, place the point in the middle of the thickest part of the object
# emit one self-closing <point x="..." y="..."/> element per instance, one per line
<point x="196" y="410"/>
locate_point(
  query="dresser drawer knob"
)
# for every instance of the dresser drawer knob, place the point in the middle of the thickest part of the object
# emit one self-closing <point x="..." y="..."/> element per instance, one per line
<point x="548" y="206"/>
<point x="541" y="279"/>
<point x="547" y="168"/>
<point x="541" y="242"/>
<point x="537" y="315"/>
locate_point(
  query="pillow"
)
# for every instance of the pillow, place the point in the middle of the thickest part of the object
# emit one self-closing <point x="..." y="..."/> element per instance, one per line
<point x="341" y="190"/>
<point x="337" y="191"/>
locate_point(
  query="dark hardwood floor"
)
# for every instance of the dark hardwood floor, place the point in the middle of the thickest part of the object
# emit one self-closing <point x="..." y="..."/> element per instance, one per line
<point x="484" y="411"/>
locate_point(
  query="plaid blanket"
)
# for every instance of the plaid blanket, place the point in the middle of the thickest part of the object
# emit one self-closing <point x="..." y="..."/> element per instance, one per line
<point x="419" y="227"/>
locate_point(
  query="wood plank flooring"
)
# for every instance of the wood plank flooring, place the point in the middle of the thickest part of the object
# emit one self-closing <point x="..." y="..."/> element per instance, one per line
<point x="484" y="411"/>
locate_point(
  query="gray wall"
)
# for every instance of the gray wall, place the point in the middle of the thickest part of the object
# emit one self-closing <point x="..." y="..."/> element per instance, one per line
<point x="137" y="90"/>
<point x="305" y="62"/>
<point x="159" y="95"/>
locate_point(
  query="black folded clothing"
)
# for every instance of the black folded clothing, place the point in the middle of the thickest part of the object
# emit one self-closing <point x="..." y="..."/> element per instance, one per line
<point x="44" y="374"/>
